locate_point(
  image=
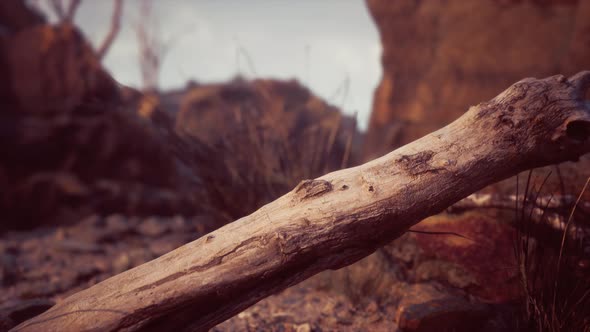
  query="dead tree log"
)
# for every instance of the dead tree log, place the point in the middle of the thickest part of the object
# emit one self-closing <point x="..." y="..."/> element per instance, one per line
<point x="336" y="219"/>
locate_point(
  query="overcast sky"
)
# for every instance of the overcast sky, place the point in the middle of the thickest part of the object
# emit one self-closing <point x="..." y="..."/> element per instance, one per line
<point x="322" y="43"/>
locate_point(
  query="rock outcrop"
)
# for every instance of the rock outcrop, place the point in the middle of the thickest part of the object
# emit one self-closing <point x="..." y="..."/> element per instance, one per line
<point x="75" y="143"/>
<point x="71" y="146"/>
<point x="52" y="69"/>
<point x="265" y="136"/>
<point x="440" y="57"/>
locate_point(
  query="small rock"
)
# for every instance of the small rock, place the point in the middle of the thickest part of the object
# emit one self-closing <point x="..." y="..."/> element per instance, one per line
<point x="59" y="235"/>
<point x="152" y="227"/>
<point x="74" y="246"/>
<point x="15" y="312"/>
<point x="117" y="223"/>
<point x="178" y="223"/>
<point x="161" y="246"/>
<point x="303" y="328"/>
<point x="31" y="245"/>
<point x="430" y="307"/>
<point x="404" y="249"/>
<point x="121" y="263"/>
<point x="139" y="256"/>
<point x="8" y="269"/>
<point x="372" y="307"/>
<point x="444" y="271"/>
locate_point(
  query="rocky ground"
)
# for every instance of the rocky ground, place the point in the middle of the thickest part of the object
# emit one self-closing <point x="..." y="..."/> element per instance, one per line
<point x="399" y="287"/>
<point x="42" y="267"/>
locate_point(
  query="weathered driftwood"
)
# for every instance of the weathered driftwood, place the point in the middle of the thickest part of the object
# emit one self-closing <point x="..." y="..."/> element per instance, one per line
<point x="338" y="218"/>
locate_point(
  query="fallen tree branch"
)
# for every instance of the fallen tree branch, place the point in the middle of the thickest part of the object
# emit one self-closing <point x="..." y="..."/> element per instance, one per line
<point x="549" y="210"/>
<point x="337" y="219"/>
<point x="554" y="203"/>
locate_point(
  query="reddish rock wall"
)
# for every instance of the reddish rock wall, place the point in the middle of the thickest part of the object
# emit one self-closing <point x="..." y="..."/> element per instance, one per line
<point x="440" y="57"/>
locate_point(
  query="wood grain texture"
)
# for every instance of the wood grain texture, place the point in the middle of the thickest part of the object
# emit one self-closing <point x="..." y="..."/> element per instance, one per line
<point x="337" y="219"/>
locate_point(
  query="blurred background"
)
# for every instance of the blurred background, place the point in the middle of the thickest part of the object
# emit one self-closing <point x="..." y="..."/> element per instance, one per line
<point x="131" y="127"/>
<point x="336" y="56"/>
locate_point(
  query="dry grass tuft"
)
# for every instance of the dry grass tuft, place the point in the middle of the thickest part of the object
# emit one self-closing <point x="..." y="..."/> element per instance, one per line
<point x="259" y="139"/>
<point x="553" y="269"/>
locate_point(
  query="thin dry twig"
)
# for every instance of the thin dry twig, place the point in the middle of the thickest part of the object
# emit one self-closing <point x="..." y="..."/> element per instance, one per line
<point x="65" y="14"/>
<point x="113" y="30"/>
<point x="71" y="11"/>
<point x="569" y="220"/>
<point x="58" y="9"/>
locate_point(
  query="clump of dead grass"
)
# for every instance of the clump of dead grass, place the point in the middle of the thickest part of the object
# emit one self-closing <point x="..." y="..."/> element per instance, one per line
<point x="274" y="135"/>
<point x="553" y="268"/>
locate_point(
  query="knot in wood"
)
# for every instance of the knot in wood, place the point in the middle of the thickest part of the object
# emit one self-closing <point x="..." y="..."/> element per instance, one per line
<point x="418" y="163"/>
<point x="312" y="188"/>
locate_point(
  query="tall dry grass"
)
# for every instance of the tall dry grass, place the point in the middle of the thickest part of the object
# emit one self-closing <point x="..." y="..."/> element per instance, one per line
<point x="553" y="268"/>
<point x="266" y="146"/>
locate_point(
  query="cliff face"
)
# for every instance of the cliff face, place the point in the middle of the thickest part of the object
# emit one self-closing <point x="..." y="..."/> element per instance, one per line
<point x="440" y="57"/>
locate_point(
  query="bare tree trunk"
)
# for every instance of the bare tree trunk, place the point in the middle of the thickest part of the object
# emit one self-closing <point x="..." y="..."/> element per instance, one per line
<point x="337" y="219"/>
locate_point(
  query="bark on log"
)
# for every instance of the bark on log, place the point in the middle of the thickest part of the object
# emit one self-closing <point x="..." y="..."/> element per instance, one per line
<point x="337" y="219"/>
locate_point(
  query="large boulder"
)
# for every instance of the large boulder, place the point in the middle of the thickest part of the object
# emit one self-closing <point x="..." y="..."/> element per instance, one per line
<point x="70" y="144"/>
<point x="431" y="307"/>
<point x="16" y="15"/>
<point x="52" y="69"/>
<point x="265" y="136"/>
<point x="440" y="57"/>
<point x="479" y="260"/>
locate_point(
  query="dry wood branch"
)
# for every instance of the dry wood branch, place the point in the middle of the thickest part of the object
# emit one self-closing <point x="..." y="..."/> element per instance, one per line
<point x="65" y="14"/>
<point x="547" y="210"/>
<point x="496" y="201"/>
<point x="554" y="204"/>
<point x="149" y="48"/>
<point x="58" y="9"/>
<point x="153" y="46"/>
<point x="336" y="219"/>
<point x="113" y="29"/>
<point x="71" y="12"/>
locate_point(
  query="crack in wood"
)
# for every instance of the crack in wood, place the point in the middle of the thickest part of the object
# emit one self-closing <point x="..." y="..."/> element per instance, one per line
<point x="217" y="260"/>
